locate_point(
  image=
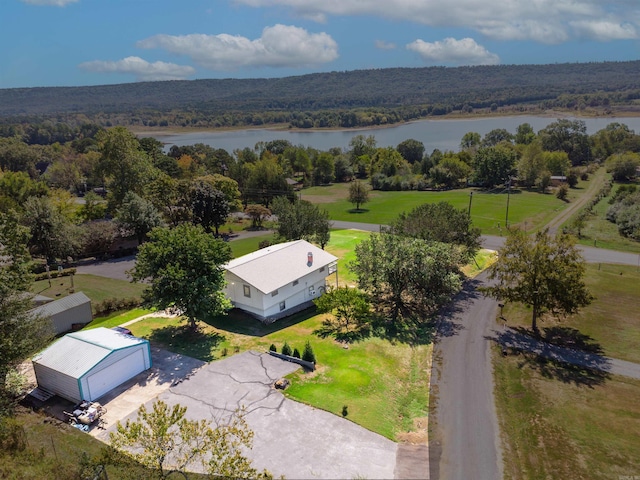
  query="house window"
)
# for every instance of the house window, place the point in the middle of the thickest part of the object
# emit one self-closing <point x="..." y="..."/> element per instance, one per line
<point x="295" y="282"/>
<point x="247" y="290"/>
<point x="321" y="269"/>
<point x="274" y="293"/>
<point x="282" y="306"/>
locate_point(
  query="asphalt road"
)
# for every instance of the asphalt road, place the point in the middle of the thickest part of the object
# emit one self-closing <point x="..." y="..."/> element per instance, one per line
<point x="465" y="441"/>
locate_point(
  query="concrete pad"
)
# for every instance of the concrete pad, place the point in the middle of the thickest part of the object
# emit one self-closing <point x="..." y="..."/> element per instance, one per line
<point x="167" y="369"/>
<point x="291" y="439"/>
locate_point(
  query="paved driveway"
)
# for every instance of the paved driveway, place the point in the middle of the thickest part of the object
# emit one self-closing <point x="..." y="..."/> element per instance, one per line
<point x="291" y="438"/>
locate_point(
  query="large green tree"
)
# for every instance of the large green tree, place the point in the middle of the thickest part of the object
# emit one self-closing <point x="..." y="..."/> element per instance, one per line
<point x="494" y="165"/>
<point x="301" y="220"/>
<point x="543" y="272"/>
<point x="52" y="234"/>
<point x="137" y="216"/>
<point x="209" y="207"/>
<point x="407" y="278"/>
<point x="568" y="136"/>
<point x="124" y="164"/>
<point x="411" y="150"/>
<point x="21" y="333"/>
<point x="439" y="222"/>
<point x="184" y="270"/>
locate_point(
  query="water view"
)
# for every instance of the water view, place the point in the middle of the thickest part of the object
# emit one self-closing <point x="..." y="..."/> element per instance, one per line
<point x="440" y="134"/>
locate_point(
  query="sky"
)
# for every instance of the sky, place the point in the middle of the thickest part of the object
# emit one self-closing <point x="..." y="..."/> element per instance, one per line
<point x="97" y="42"/>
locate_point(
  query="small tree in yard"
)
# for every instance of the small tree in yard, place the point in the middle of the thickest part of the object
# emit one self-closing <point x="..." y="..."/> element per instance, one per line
<point x="165" y="441"/>
<point x="349" y="313"/>
<point x="307" y="354"/>
<point x="563" y="192"/>
<point x="545" y="273"/>
<point x="358" y="193"/>
<point x="258" y="214"/>
<point x="286" y="349"/>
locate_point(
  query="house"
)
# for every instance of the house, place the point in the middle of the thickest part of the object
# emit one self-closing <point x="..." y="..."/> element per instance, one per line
<point x="88" y="364"/>
<point x="67" y="312"/>
<point x="279" y="280"/>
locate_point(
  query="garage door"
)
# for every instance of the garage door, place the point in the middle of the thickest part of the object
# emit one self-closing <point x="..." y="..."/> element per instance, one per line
<point x="106" y="380"/>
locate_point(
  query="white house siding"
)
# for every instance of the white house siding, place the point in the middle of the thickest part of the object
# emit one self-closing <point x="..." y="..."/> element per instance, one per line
<point x="57" y="382"/>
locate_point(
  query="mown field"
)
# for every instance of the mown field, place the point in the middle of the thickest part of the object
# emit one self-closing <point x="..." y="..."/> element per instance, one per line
<point x="527" y="210"/>
<point x="559" y="421"/>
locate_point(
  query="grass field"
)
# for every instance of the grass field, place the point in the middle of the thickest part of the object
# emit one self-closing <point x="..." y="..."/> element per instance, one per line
<point x="566" y="422"/>
<point x="385" y="386"/>
<point x="95" y="287"/>
<point x="612" y="320"/>
<point x="568" y="430"/>
<point x="488" y="210"/>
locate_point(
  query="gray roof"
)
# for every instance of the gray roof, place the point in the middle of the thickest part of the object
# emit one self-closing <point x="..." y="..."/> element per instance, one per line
<point x="59" y="306"/>
<point x="273" y="267"/>
<point x="77" y="353"/>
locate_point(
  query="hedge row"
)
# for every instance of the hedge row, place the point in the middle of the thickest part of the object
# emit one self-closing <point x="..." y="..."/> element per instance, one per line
<point x="111" y="305"/>
<point x="55" y="274"/>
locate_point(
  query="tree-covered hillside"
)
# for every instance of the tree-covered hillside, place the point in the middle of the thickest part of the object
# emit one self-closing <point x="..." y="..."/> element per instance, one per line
<point x="344" y="99"/>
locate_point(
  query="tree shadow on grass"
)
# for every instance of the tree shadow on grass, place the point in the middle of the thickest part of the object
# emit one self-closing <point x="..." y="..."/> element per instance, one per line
<point x="559" y="353"/>
<point x="181" y="339"/>
<point x="237" y="321"/>
<point x="358" y="210"/>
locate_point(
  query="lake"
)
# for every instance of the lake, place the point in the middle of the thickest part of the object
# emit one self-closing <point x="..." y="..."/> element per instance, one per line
<point x="440" y="134"/>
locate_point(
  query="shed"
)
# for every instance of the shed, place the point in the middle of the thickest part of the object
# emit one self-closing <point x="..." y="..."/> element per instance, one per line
<point x="279" y="280"/>
<point x="88" y="364"/>
<point x="74" y="309"/>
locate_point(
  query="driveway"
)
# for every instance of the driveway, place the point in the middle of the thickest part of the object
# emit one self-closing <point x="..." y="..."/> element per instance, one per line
<point x="291" y="439"/>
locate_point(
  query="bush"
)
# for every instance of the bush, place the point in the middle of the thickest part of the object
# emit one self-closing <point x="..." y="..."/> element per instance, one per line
<point x="296" y="353"/>
<point x="264" y="244"/>
<point x="572" y="179"/>
<point x="286" y="349"/>
<point x="55" y="274"/>
<point x="110" y="305"/>
<point x="563" y="192"/>
<point x="307" y="354"/>
<point x="272" y="348"/>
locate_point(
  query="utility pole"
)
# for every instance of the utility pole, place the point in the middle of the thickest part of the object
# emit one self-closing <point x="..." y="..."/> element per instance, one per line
<point x="470" y="198"/>
<point x="506" y="220"/>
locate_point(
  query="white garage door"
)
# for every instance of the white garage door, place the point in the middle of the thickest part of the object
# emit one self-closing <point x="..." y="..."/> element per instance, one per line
<point x="105" y="380"/>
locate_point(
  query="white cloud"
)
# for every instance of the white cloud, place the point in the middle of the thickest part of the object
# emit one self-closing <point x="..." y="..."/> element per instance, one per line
<point x="143" y="70"/>
<point x="454" y="52"/>
<point x="545" y="21"/>
<point x="279" y="46"/>
<point x="604" y="30"/>
<point x="382" y="45"/>
<point x="55" y="3"/>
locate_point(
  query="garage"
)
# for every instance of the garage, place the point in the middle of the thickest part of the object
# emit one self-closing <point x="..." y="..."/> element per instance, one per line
<point x="88" y="364"/>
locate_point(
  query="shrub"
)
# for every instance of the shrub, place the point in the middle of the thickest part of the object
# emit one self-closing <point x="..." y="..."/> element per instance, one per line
<point x="563" y="192"/>
<point x="572" y="179"/>
<point x="264" y="244"/>
<point x="109" y="305"/>
<point x="307" y="354"/>
<point x="272" y="348"/>
<point x="55" y="274"/>
<point x="286" y="349"/>
<point x="296" y="353"/>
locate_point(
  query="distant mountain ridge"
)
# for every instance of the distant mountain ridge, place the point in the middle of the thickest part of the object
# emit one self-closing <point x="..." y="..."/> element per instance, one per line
<point x="382" y="88"/>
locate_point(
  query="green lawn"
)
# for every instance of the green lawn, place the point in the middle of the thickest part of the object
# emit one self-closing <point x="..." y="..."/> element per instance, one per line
<point x="488" y="210"/>
<point x="559" y="426"/>
<point x="342" y="245"/>
<point x="95" y="287"/>
<point x="612" y="320"/>
<point x="385" y="386"/>
<point x="117" y="318"/>
<point x="242" y="246"/>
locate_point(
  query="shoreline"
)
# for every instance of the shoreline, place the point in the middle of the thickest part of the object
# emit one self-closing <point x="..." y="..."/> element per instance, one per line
<point x="159" y="132"/>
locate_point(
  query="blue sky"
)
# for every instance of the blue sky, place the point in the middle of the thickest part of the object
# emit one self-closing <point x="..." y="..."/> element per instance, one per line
<point x="95" y="42"/>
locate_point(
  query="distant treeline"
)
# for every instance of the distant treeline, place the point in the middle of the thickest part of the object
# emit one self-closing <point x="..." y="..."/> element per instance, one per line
<point x="336" y="99"/>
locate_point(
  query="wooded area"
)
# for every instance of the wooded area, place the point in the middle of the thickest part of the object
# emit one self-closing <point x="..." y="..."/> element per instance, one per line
<point x="335" y="99"/>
